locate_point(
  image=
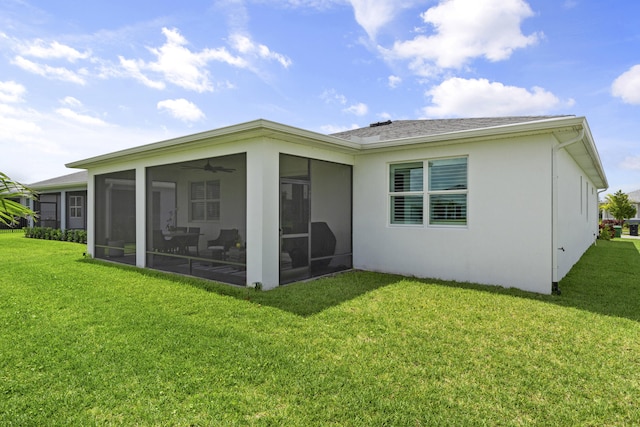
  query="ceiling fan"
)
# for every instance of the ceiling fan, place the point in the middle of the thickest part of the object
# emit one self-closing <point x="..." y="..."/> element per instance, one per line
<point x="211" y="168"/>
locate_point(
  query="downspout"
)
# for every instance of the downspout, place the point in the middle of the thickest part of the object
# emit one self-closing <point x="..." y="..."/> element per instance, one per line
<point x="554" y="210"/>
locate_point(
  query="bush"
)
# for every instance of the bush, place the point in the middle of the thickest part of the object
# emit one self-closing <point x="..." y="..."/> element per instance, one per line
<point x="48" y="233"/>
<point x="606" y="232"/>
<point x="606" y="228"/>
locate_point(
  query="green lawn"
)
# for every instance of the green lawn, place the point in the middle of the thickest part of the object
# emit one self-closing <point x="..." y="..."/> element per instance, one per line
<point x="87" y="343"/>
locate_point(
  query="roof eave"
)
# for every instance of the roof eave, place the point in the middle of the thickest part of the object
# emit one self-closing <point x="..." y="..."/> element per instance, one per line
<point x="253" y="129"/>
<point x="552" y="125"/>
<point x="504" y="131"/>
<point x="593" y="167"/>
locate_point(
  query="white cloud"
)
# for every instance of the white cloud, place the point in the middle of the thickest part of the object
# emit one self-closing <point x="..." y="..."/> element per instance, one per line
<point x="53" y="50"/>
<point x="132" y="68"/>
<point x="80" y="118"/>
<point x="373" y="15"/>
<point x="359" y="109"/>
<point x="56" y="73"/>
<point x="464" y="30"/>
<point x="18" y="125"/>
<point x="331" y="96"/>
<point x="394" y="81"/>
<point x="185" y="68"/>
<point x="181" y="109"/>
<point x="246" y="46"/>
<point x="70" y="101"/>
<point x="177" y="64"/>
<point x="631" y="163"/>
<point x="11" y="91"/>
<point x="458" y="97"/>
<point x="316" y="4"/>
<point x="627" y="86"/>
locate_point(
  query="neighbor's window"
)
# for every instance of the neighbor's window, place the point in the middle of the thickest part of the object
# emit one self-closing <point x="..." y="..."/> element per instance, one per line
<point x="205" y="201"/>
<point x="75" y="206"/>
<point x="448" y="191"/>
<point x="406" y="188"/>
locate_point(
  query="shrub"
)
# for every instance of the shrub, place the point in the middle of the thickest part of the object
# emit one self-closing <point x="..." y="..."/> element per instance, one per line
<point x="606" y="228"/>
<point x="606" y="232"/>
<point x="48" y="233"/>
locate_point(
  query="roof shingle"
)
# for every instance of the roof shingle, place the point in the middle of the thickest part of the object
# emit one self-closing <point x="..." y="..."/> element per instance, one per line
<point x="413" y="128"/>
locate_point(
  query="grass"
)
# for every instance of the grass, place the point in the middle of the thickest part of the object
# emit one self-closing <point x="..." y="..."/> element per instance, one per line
<point x="87" y="343"/>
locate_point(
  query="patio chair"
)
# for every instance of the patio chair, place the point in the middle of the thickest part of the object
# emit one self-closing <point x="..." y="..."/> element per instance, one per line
<point x="160" y="244"/>
<point x="193" y="240"/>
<point x="226" y="239"/>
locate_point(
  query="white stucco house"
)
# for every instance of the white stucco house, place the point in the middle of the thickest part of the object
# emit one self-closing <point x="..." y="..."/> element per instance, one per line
<point x="61" y="202"/>
<point x="508" y="201"/>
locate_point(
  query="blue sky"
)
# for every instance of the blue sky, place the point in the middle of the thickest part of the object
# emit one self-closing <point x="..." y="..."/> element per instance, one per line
<point x="79" y="79"/>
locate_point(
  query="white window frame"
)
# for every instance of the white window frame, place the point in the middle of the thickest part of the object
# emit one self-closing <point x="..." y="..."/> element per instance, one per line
<point x="207" y="202"/>
<point x="432" y="194"/>
<point x="417" y="193"/>
<point x="427" y="195"/>
<point x="75" y="206"/>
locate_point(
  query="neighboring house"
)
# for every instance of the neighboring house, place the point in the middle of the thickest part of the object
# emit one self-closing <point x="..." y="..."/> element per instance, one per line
<point x="508" y="201"/>
<point x="634" y="198"/>
<point x="62" y="202"/>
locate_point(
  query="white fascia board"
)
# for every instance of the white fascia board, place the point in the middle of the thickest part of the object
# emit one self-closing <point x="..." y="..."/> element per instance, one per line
<point x="238" y="132"/>
<point x="270" y="129"/>
<point x="553" y="126"/>
<point x="585" y="153"/>
<point x="502" y="131"/>
<point x="75" y="186"/>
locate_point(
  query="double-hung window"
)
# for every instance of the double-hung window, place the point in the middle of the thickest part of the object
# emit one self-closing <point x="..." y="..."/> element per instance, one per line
<point x="205" y="200"/>
<point x="407" y="193"/>
<point x="445" y="198"/>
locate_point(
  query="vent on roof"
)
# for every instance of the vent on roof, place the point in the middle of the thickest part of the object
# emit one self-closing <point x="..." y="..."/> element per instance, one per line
<point x="375" y="125"/>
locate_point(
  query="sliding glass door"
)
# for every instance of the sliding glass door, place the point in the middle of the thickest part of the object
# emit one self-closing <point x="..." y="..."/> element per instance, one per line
<point x="315" y="218"/>
<point x="294" y="230"/>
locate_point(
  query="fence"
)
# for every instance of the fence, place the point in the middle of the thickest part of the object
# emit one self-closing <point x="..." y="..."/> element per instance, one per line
<point x="22" y="222"/>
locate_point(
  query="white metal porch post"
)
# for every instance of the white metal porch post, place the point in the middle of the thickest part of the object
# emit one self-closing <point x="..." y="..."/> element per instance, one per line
<point x="263" y="165"/>
<point x="141" y="216"/>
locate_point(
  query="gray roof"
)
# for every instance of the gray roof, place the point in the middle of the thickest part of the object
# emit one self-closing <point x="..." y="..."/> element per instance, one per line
<point x="71" y="180"/>
<point x="634" y="196"/>
<point x="398" y="129"/>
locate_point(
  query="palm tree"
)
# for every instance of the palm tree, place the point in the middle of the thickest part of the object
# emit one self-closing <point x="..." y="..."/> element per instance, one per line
<point x="10" y="209"/>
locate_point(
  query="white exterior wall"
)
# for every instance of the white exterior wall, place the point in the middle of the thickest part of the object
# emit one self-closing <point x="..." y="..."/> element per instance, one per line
<point x="507" y="240"/>
<point x="577" y="213"/>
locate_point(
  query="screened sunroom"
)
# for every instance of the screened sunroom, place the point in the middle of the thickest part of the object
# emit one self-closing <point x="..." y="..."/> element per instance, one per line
<point x="196" y="218"/>
<point x="243" y="210"/>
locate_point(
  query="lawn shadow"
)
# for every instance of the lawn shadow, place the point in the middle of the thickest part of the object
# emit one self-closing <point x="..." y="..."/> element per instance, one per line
<point x="606" y="280"/>
<point x="301" y="298"/>
<point x="314" y="296"/>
